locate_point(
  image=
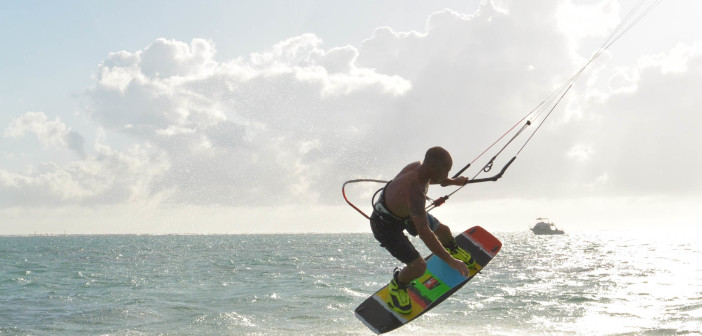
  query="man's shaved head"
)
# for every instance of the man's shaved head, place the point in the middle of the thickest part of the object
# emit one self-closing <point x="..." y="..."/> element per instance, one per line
<point x="438" y="157"/>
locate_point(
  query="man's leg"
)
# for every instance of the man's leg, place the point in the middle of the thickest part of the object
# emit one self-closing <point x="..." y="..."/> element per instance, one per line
<point x="443" y="233"/>
<point x="413" y="270"/>
<point x="399" y="297"/>
<point x="445" y="236"/>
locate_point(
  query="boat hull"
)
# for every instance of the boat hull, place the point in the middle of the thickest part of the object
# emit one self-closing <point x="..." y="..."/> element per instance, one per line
<point x="547" y="232"/>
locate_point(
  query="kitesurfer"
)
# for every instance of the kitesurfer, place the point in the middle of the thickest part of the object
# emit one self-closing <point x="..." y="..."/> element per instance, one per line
<point x="401" y="206"/>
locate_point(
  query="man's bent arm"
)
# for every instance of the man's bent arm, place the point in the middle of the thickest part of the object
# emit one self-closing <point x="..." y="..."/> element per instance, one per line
<point x="419" y="218"/>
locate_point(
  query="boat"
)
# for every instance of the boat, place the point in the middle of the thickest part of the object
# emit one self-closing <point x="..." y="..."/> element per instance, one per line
<point x="545" y="227"/>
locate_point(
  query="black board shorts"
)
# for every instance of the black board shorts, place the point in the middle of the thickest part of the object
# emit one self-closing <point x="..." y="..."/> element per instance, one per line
<point x="389" y="232"/>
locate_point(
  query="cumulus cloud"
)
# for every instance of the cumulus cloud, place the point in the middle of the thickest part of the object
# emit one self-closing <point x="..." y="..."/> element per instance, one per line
<point x="107" y="177"/>
<point x="270" y="128"/>
<point x="51" y="133"/>
<point x="646" y="137"/>
<point x="288" y="124"/>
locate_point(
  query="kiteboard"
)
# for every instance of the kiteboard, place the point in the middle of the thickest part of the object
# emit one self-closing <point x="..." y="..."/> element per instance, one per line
<point x="438" y="283"/>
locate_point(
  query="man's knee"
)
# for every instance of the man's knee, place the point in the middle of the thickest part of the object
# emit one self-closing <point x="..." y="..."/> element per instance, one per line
<point x="418" y="266"/>
<point x="443" y="230"/>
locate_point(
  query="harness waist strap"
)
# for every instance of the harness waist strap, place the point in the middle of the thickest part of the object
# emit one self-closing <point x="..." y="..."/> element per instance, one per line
<point x="380" y="207"/>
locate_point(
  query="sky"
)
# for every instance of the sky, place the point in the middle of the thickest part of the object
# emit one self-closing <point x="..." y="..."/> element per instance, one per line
<point x="247" y="117"/>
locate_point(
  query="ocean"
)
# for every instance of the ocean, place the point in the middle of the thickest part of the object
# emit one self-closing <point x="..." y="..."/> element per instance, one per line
<point x="589" y="283"/>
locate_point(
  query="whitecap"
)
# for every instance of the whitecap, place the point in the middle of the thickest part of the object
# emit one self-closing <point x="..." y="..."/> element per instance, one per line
<point x="238" y="319"/>
<point x="353" y="292"/>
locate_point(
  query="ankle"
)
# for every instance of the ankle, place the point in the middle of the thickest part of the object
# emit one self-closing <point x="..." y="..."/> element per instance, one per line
<point x="400" y="284"/>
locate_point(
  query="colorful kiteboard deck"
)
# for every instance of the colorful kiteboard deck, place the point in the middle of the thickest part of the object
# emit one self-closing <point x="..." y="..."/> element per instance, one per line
<point x="438" y="283"/>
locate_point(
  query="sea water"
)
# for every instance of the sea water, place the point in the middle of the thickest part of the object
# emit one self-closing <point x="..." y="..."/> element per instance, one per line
<point x="597" y="283"/>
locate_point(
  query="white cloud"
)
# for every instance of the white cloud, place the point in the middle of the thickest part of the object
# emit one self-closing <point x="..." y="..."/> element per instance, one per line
<point x="118" y="71"/>
<point x="51" y="133"/>
<point x="588" y="19"/>
<point x="264" y="129"/>
<point x="171" y="59"/>
<point x="107" y="177"/>
<point x="648" y="133"/>
<point x="580" y="152"/>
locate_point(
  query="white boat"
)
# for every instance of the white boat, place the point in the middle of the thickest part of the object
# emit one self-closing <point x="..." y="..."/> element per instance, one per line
<point x="545" y="227"/>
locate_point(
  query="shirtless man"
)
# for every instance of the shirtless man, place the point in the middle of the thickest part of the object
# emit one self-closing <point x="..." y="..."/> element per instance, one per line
<point x="401" y="206"/>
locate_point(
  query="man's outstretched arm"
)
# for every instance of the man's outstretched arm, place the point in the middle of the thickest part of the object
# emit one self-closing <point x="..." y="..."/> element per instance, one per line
<point x="458" y="181"/>
<point x="419" y="218"/>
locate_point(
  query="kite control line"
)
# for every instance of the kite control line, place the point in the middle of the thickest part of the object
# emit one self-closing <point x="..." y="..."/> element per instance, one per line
<point x="538" y="115"/>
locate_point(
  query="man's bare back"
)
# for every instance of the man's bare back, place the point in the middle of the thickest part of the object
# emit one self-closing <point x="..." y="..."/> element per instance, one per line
<point x="398" y="192"/>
